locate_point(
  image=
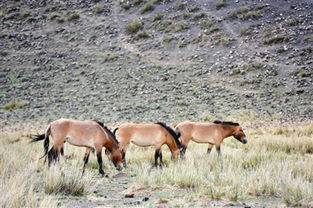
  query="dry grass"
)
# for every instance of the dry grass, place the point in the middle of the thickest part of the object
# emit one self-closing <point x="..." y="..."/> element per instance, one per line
<point x="269" y="165"/>
<point x="276" y="162"/>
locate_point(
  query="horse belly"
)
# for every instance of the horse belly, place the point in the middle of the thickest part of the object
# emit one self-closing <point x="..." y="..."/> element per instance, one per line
<point x="142" y="141"/>
<point x="80" y="142"/>
<point x="200" y="139"/>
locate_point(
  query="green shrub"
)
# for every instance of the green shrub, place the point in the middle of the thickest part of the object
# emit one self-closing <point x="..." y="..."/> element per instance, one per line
<point x="125" y="5"/>
<point x="157" y="17"/>
<point x="199" y="16"/>
<point x="141" y="34"/>
<point x="134" y="27"/>
<point x="204" y="24"/>
<point x="245" y="32"/>
<point x="146" y="7"/>
<point x="13" y="105"/>
<point x="220" y="4"/>
<point x="276" y="40"/>
<point x="193" y="8"/>
<point x="224" y="41"/>
<point x="73" y="16"/>
<point x="180" y="5"/>
<point x="181" y="26"/>
<point x="169" y="39"/>
<point x="136" y="2"/>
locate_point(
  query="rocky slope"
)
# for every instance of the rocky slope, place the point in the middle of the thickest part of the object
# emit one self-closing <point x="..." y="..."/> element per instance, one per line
<point x="155" y="60"/>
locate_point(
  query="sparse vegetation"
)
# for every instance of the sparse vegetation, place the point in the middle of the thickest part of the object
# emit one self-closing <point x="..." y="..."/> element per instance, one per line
<point x="180" y="5"/>
<point x="204" y="24"/>
<point x="169" y="39"/>
<point x="244" y="13"/>
<point x="213" y="30"/>
<point x="146" y="7"/>
<point x="224" y="41"/>
<point x="199" y="16"/>
<point x="134" y="27"/>
<point x="219" y="4"/>
<point x="73" y="16"/>
<point x="193" y="8"/>
<point x="157" y="17"/>
<point x="99" y="8"/>
<point x="182" y="44"/>
<point x="141" y="35"/>
<point x="245" y="32"/>
<point x="276" y="40"/>
<point x="14" y="105"/>
<point x="181" y="26"/>
<point x="125" y="5"/>
<point x="110" y="57"/>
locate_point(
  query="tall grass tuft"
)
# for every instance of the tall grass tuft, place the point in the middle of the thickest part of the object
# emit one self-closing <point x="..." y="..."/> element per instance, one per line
<point x="69" y="182"/>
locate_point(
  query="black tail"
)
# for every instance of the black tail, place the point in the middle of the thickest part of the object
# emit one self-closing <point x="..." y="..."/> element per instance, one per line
<point x="172" y="132"/>
<point x="44" y="137"/>
<point x="37" y="138"/>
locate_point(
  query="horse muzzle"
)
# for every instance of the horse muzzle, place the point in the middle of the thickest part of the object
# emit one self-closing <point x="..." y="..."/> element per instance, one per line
<point x="119" y="167"/>
<point x="244" y="141"/>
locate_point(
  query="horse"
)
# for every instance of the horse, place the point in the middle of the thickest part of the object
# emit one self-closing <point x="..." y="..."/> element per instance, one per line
<point x="211" y="133"/>
<point x="151" y="134"/>
<point x="90" y="134"/>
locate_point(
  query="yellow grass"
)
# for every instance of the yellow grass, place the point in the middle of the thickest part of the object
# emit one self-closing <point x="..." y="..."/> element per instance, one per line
<point x="277" y="162"/>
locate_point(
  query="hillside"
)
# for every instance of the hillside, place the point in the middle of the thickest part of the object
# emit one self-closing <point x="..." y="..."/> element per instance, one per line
<point x="157" y="60"/>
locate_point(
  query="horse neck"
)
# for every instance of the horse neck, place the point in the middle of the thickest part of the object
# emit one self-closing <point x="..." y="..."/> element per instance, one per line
<point x="228" y="130"/>
<point x="110" y="144"/>
<point x="171" y="143"/>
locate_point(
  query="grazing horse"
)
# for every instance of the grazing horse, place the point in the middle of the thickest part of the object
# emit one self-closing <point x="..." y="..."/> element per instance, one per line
<point x="211" y="133"/>
<point x="144" y="135"/>
<point x="90" y="134"/>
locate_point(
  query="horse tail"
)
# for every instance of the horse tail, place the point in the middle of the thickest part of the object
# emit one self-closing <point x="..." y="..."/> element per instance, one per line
<point x="178" y="133"/>
<point x="172" y="133"/>
<point x="44" y="137"/>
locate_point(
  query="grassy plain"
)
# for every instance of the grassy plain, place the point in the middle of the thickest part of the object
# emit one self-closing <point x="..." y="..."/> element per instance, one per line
<point x="276" y="164"/>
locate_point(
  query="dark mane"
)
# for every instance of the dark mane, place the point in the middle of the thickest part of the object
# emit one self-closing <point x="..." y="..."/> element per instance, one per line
<point x="107" y="130"/>
<point x="226" y="123"/>
<point x="100" y="123"/>
<point x="172" y="133"/>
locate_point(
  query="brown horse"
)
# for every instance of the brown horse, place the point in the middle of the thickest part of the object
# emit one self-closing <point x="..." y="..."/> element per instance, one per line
<point x="90" y="134"/>
<point x="211" y="133"/>
<point x="143" y="135"/>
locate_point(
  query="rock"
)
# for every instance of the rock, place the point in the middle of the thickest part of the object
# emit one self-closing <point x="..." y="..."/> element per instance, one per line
<point x="145" y="199"/>
<point x="129" y="195"/>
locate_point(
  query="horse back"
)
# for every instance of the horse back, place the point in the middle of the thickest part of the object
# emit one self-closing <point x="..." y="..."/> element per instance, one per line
<point x="80" y="132"/>
<point x="141" y="134"/>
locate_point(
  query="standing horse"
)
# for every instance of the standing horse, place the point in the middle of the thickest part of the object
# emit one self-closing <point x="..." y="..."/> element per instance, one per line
<point x="211" y="133"/>
<point x="144" y="135"/>
<point x="90" y="134"/>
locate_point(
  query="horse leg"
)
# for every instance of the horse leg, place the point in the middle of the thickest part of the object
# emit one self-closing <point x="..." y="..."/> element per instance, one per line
<point x="86" y="158"/>
<point x="160" y="156"/>
<point x="210" y="148"/>
<point x="99" y="158"/>
<point x="124" y="156"/>
<point x="156" y="156"/>
<point x="62" y="151"/>
<point x="53" y="155"/>
<point x="218" y="149"/>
